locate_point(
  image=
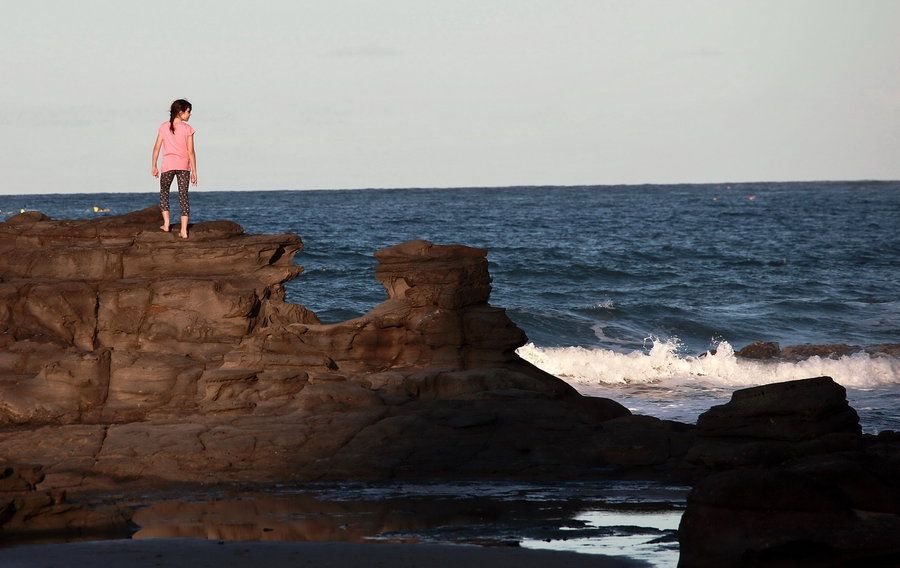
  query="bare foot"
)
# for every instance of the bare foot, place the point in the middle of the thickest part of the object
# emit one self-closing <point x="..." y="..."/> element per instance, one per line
<point x="164" y="228"/>
<point x="183" y="235"/>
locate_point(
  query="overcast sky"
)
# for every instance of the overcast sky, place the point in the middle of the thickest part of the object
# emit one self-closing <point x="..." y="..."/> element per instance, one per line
<point x="302" y="94"/>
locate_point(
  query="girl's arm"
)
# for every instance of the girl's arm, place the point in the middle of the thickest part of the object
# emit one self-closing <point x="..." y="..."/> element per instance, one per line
<point x="159" y="140"/>
<point x="193" y="158"/>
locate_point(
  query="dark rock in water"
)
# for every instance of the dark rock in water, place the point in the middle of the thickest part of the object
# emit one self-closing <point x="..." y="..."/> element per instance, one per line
<point x="769" y="424"/>
<point x="794" y="410"/>
<point x="885" y="349"/>
<point x="760" y="350"/>
<point x="27" y="217"/>
<point x="807" y="351"/>
<point x="764" y="350"/>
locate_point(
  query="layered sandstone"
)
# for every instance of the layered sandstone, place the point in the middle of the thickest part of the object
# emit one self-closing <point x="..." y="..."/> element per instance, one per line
<point x="127" y="352"/>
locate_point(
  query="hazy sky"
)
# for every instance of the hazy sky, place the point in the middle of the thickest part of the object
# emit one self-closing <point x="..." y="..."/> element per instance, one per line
<point x="301" y="94"/>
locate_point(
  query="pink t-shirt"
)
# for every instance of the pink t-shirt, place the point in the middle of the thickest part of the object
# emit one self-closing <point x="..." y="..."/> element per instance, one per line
<point x="175" y="146"/>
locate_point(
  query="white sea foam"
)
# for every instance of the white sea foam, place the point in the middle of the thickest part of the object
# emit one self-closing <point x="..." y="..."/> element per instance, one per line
<point x="664" y="384"/>
<point x="662" y="365"/>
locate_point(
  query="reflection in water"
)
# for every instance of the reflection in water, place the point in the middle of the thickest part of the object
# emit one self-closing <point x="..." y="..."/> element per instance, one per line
<point x="295" y="517"/>
<point x="624" y="518"/>
<point x="643" y="535"/>
<point x="255" y="516"/>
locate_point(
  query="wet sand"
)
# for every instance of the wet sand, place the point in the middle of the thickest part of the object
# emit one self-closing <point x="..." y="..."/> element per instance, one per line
<point x="197" y="553"/>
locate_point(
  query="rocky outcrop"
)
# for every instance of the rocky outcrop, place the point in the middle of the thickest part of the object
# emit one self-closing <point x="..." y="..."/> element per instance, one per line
<point x="109" y="321"/>
<point x="760" y="350"/>
<point x="788" y="479"/>
<point x="772" y="350"/>
<point x="767" y="424"/>
<point x="128" y="352"/>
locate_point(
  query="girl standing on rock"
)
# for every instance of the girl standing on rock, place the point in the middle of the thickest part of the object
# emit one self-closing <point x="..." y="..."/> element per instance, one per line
<point x="176" y="138"/>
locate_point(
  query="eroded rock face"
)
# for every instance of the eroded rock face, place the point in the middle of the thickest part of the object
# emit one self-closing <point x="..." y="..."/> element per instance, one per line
<point x="110" y="319"/>
<point x="129" y="352"/>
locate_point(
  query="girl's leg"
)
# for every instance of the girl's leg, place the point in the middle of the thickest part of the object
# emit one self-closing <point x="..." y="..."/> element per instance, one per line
<point x="165" y="182"/>
<point x="184" y="178"/>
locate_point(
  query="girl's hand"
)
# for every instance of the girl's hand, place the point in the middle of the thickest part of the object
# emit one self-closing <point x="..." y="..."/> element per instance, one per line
<point x="194" y="178"/>
<point x="155" y="159"/>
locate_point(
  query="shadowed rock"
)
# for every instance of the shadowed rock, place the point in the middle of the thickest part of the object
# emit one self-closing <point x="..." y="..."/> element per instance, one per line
<point x="783" y="517"/>
<point x="792" y="410"/>
<point x="767" y="424"/>
<point x="790" y="480"/>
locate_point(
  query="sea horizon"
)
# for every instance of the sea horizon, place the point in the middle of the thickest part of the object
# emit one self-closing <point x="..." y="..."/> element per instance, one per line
<point x="152" y="188"/>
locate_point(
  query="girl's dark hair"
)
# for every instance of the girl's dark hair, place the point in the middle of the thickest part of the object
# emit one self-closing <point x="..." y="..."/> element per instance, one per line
<point x="178" y="106"/>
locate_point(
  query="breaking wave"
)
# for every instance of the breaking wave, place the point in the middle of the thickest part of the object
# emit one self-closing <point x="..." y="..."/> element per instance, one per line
<point x="662" y="364"/>
<point x="664" y="384"/>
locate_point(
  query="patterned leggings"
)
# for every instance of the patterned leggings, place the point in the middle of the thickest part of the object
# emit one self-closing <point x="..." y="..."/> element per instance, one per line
<point x="165" y="182"/>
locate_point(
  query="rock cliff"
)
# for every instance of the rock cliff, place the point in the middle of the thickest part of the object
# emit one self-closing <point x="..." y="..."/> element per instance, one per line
<point x="127" y="352"/>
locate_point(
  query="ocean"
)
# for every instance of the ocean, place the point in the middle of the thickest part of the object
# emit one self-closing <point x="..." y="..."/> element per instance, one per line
<point x="642" y="294"/>
<point x="620" y="289"/>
